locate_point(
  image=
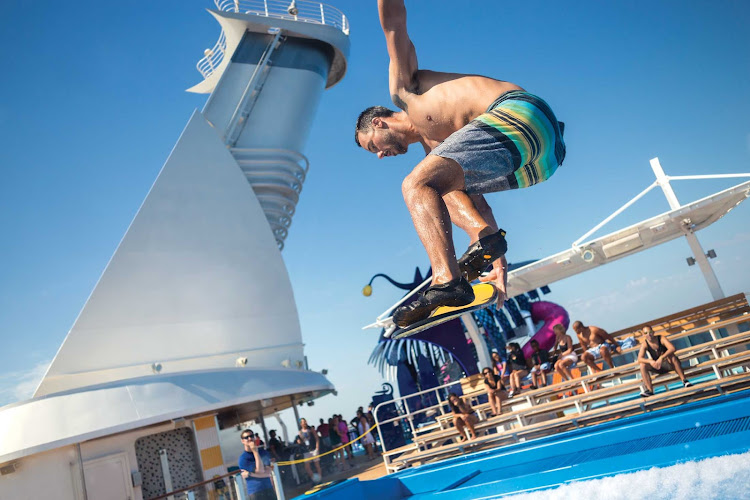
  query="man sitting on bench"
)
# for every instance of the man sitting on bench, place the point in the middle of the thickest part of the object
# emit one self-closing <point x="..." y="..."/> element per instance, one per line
<point x="463" y="416"/>
<point x="662" y="359"/>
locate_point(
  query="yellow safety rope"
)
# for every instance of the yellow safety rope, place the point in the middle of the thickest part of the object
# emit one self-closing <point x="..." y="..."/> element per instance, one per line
<point x="290" y="462"/>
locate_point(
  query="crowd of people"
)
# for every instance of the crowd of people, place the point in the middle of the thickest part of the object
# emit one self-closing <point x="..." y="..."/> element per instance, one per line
<point x="656" y="355"/>
<point x="506" y="377"/>
<point x="310" y="446"/>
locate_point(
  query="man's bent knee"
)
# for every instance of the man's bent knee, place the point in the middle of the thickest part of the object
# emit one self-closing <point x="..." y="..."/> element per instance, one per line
<point x="410" y="185"/>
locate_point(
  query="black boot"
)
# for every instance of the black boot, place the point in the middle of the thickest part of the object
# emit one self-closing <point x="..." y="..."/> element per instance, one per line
<point x="481" y="254"/>
<point x="455" y="293"/>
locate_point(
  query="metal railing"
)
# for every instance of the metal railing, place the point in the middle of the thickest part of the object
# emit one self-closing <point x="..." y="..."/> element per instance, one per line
<point x="404" y="413"/>
<point x="213" y="56"/>
<point x="230" y="486"/>
<point x="302" y="11"/>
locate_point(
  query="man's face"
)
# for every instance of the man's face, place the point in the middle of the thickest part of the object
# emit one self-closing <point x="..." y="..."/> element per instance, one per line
<point x="578" y="328"/>
<point x="383" y="141"/>
<point x="247" y="438"/>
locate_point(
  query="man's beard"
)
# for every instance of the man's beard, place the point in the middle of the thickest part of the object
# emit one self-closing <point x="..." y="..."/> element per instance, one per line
<point x="395" y="144"/>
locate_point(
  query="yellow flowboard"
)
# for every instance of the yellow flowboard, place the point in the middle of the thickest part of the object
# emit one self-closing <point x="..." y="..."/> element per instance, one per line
<point x="485" y="294"/>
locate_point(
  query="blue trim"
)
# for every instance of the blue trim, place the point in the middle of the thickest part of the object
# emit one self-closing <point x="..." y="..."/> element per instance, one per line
<point x="714" y="427"/>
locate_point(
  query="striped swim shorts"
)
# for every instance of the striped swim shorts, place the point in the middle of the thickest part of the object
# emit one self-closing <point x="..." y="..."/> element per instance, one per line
<point x="516" y="143"/>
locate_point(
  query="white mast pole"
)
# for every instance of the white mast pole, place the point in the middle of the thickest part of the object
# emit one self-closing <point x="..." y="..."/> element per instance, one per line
<point x="700" y="257"/>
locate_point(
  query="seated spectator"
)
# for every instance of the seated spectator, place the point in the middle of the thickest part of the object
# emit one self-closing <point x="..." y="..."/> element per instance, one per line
<point x="495" y="391"/>
<point x="540" y="362"/>
<point x="594" y="342"/>
<point x="498" y="365"/>
<point x="255" y="471"/>
<point x="663" y="359"/>
<point x="312" y="445"/>
<point x="463" y="416"/>
<point x="518" y="368"/>
<point x="566" y="356"/>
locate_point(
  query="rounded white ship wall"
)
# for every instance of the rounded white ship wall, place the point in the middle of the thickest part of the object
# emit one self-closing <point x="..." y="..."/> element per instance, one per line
<point x="295" y="78"/>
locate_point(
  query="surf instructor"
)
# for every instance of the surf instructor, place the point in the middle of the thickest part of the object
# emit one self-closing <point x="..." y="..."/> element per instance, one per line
<point x="481" y="135"/>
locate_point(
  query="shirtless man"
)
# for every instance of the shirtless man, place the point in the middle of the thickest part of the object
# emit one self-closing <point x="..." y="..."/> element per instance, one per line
<point x="481" y="135"/>
<point x="662" y="359"/>
<point x="593" y="341"/>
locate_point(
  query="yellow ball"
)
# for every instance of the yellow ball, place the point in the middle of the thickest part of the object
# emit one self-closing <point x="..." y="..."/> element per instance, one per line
<point x="367" y="291"/>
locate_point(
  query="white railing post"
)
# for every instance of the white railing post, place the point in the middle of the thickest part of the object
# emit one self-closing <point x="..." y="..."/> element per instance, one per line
<point x="411" y="419"/>
<point x="322" y="15"/>
<point x="277" y="486"/>
<point x="241" y="487"/>
<point x="265" y="6"/>
<point x="236" y="5"/>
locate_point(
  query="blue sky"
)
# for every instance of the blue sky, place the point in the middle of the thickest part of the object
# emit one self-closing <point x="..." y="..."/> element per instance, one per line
<point x="93" y="101"/>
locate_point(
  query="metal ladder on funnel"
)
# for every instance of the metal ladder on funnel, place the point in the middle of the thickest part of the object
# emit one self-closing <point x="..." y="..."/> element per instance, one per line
<point x="252" y="91"/>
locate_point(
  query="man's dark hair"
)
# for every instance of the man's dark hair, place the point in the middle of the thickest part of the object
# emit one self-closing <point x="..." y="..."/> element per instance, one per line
<point x="534" y="342"/>
<point x="364" y="122"/>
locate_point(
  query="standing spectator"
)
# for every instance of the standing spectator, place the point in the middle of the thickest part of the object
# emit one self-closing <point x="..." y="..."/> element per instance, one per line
<point x="312" y="445"/>
<point x="663" y="359"/>
<point x="254" y="466"/>
<point x="363" y="426"/>
<point x="275" y="447"/>
<point x="495" y="391"/>
<point x="463" y="416"/>
<point x="343" y="431"/>
<point x="565" y="352"/>
<point x="323" y="432"/>
<point x="540" y="366"/>
<point x="338" y="456"/>
<point x="371" y="421"/>
<point x="518" y="368"/>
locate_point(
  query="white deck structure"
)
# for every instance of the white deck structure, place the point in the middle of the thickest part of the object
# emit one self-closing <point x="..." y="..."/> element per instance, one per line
<point x="194" y="317"/>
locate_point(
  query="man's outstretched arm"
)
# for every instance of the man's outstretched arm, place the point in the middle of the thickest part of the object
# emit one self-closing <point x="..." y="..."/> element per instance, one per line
<point x="402" y="72"/>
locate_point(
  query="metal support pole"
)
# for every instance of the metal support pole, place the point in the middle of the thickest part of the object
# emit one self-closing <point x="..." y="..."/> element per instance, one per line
<point x="284" y="432"/>
<point x="700" y="256"/>
<point x="483" y="354"/>
<point x="705" y="266"/>
<point x="296" y="413"/>
<point x="166" y="473"/>
<point x="263" y="426"/>
<point x="83" y="474"/>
